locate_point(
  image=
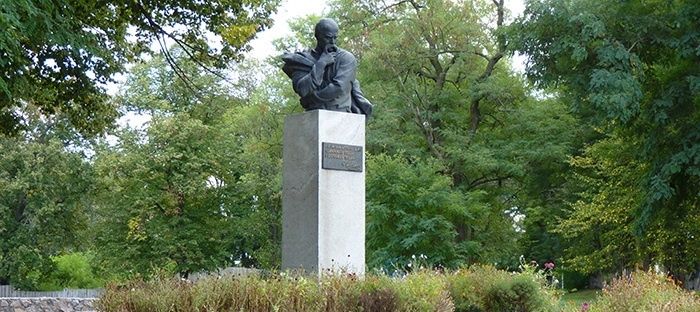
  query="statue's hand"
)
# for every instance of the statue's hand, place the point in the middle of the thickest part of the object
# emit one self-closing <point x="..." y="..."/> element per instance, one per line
<point x="326" y="59"/>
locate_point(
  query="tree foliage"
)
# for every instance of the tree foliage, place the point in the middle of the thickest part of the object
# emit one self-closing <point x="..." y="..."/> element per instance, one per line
<point x="199" y="188"/>
<point x="599" y="223"/>
<point x="58" y="55"/>
<point x="630" y="69"/>
<point x="44" y="204"/>
<point x="158" y="205"/>
<point x="410" y="214"/>
<point x="447" y="99"/>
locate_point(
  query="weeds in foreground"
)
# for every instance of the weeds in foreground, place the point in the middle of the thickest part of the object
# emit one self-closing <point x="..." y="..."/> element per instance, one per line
<point x="476" y="289"/>
<point x="644" y="291"/>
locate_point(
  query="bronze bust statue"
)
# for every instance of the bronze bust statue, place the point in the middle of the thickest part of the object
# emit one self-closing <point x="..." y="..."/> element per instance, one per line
<point x="324" y="77"/>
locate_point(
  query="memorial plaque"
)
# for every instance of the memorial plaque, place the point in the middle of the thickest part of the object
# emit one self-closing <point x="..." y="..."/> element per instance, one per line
<point x="342" y="157"/>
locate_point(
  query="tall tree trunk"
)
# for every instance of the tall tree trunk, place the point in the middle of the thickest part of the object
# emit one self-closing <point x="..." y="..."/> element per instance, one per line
<point x="475" y="113"/>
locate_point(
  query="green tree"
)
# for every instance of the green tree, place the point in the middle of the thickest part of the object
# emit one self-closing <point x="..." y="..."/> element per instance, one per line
<point x="199" y="188"/>
<point x="599" y="223"/>
<point x="256" y="181"/>
<point x="447" y="99"/>
<point x="43" y="207"/>
<point x="631" y="70"/>
<point x="410" y="214"/>
<point x="157" y="206"/>
<point x="541" y="136"/>
<point x="57" y="55"/>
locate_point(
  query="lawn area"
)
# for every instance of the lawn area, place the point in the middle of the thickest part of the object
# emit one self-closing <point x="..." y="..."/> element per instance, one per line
<point x="576" y="299"/>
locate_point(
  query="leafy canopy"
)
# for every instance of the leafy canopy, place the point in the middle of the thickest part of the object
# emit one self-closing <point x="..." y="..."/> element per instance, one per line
<point x="58" y="55"/>
<point x="199" y="189"/>
<point x="630" y="69"/>
<point x="456" y="124"/>
<point x="44" y="204"/>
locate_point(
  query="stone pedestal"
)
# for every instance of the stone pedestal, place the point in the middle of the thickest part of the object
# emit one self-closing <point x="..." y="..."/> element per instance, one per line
<point x="323" y="192"/>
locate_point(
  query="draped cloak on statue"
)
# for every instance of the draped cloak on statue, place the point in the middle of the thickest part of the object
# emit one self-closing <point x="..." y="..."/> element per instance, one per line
<point x="337" y="90"/>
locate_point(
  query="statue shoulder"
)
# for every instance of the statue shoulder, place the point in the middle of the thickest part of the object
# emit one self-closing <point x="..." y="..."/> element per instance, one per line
<point x="299" y="57"/>
<point x="308" y="53"/>
<point x="346" y="56"/>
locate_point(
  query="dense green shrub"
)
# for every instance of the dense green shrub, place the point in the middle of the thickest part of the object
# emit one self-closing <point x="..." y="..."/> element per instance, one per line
<point x="486" y="289"/>
<point x="72" y="270"/>
<point x="423" y="291"/>
<point x="468" y="287"/>
<point x="641" y="292"/>
<point x="25" y="268"/>
<point x="522" y="293"/>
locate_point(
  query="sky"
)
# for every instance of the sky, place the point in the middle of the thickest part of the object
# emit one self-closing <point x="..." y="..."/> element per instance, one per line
<point x="289" y="9"/>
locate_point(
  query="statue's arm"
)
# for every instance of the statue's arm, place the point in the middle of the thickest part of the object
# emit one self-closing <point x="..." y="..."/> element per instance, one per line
<point x="305" y="83"/>
<point x="342" y="82"/>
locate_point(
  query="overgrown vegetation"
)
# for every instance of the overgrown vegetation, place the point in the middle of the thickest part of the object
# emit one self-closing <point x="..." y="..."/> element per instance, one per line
<point x="642" y="291"/>
<point x="418" y="291"/>
<point x="477" y="289"/>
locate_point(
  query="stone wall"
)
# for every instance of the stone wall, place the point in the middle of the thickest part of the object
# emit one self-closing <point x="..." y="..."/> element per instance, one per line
<point x="46" y="304"/>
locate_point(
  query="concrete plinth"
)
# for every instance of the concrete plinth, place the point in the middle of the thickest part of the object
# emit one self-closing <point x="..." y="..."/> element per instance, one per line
<point x="323" y="192"/>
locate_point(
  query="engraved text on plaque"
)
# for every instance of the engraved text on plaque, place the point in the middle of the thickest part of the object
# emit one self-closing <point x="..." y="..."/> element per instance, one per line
<point x="342" y="157"/>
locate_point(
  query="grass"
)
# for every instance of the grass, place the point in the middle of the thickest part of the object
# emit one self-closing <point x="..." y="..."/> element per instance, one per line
<point x="574" y="300"/>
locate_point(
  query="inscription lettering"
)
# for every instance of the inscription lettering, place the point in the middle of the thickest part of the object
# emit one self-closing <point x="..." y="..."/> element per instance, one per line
<point x="342" y="157"/>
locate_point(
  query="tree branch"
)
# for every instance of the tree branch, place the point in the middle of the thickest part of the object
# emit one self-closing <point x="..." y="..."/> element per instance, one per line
<point x="157" y="29"/>
<point x="474" y="110"/>
<point x="484" y="180"/>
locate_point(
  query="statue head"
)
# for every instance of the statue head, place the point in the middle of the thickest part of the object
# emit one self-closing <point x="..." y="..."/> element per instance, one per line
<point x="326" y="33"/>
